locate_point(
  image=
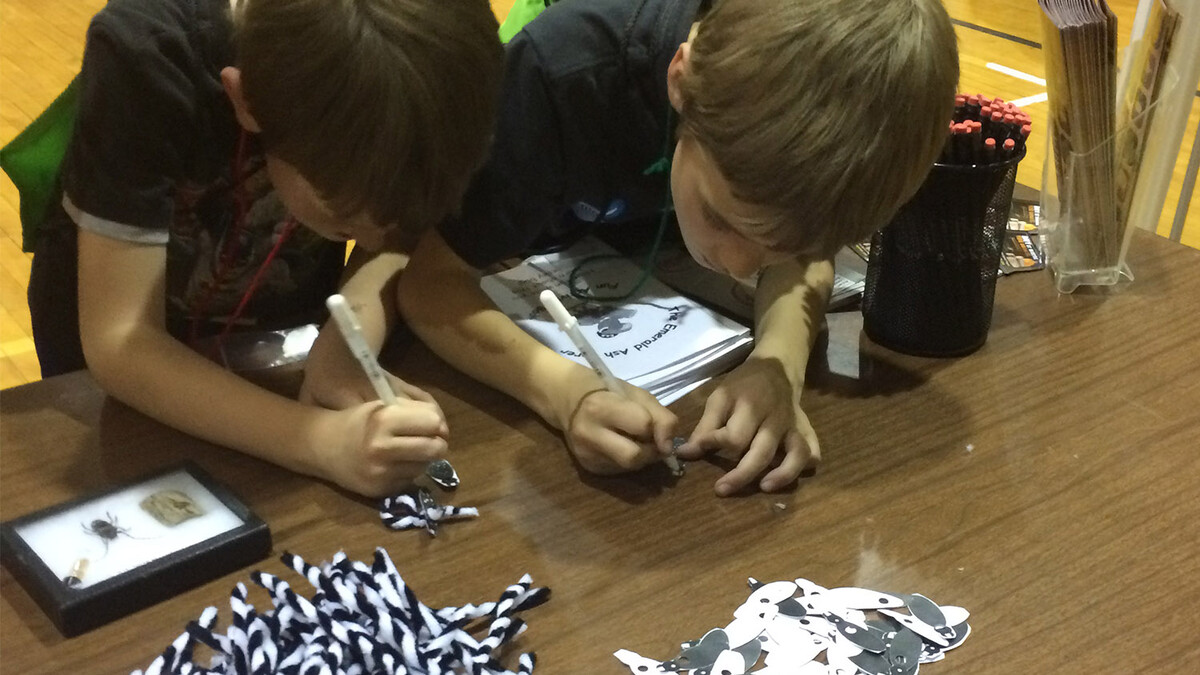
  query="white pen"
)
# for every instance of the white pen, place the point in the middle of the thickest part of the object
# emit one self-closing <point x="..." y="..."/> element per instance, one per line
<point x="570" y="325"/>
<point x="347" y="323"/>
<point x="440" y="470"/>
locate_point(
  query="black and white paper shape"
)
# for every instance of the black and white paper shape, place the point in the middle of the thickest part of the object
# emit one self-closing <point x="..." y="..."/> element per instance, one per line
<point x="801" y="628"/>
<point x="442" y="472"/>
<point x="361" y="619"/>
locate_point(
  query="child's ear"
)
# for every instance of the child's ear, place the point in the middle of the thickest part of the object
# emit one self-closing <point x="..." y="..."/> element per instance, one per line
<point x="676" y="72"/>
<point x="231" y="79"/>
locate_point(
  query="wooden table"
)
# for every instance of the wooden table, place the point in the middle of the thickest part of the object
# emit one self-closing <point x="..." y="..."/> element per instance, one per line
<point x="1048" y="483"/>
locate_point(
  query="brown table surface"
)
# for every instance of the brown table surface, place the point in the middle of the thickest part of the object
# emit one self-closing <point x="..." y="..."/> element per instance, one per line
<point x="1047" y="483"/>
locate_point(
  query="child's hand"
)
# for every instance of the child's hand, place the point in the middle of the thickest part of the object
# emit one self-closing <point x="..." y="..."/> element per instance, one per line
<point x="754" y="412"/>
<point x="610" y="433"/>
<point x="377" y="450"/>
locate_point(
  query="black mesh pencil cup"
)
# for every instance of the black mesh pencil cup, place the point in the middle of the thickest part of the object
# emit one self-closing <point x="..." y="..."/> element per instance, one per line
<point x="932" y="272"/>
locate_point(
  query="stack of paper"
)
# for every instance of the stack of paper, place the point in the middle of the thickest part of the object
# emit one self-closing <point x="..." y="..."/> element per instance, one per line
<point x="1081" y="52"/>
<point x="657" y="339"/>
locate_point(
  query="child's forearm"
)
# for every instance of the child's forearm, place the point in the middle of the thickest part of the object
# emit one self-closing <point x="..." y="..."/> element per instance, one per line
<point x="369" y="285"/>
<point x="332" y="377"/>
<point x="440" y="299"/>
<point x="129" y="352"/>
<point x="159" y="376"/>
<point x="486" y="345"/>
<point x="788" y="306"/>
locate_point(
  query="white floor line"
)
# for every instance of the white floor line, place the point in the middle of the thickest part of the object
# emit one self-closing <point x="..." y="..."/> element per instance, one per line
<point x="1036" y="98"/>
<point x="1017" y="74"/>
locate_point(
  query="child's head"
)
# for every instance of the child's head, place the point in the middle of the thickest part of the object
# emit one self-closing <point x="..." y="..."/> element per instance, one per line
<point x="372" y="113"/>
<point x="805" y="125"/>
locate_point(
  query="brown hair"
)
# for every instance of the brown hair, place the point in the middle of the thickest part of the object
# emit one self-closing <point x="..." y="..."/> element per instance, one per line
<point x="828" y="115"/>
<point x="384" y="106"/>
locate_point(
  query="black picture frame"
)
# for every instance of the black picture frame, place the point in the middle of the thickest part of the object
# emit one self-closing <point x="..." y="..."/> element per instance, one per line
<point x="74" y="611"/>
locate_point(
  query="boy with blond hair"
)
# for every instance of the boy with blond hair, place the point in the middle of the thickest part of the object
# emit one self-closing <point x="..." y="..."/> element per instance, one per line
<point x="223" y="154"/>
<point x="796" y="127"/>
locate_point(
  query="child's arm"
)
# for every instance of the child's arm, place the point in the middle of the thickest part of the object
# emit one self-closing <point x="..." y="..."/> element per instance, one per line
<point x="440" y="298"/>
<point x="756" y="409"/>
<point x="332" y="377"/>
<point x="371" y="449"/>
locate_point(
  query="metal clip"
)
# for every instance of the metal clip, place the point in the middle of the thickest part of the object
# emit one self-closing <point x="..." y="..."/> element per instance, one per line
<point x="442" y="472"/>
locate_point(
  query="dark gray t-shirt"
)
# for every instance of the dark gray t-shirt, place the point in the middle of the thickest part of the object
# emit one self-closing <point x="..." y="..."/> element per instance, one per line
<point x="583" y="115"/>
<point x="152" y="161"/>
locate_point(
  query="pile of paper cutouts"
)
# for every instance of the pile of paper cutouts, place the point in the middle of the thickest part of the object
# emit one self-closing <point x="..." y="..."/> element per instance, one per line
<point x="800" y="628"/>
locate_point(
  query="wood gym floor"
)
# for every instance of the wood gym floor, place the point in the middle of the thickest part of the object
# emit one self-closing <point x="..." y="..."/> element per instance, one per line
<point x="41" y="44"/>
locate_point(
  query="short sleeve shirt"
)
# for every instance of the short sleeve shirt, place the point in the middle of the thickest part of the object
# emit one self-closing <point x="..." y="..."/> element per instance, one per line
<point x="155" y="160"/>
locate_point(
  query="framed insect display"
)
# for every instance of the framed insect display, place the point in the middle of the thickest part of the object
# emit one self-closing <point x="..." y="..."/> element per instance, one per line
<point x="96" y="559"/>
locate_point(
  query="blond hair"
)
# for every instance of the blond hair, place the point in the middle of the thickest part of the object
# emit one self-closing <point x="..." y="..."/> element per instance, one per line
<point x="827" y="115"/>
<point x="385" y="106"/>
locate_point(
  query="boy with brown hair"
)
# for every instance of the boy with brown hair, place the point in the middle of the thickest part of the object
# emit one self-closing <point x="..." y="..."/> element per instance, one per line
<point x="223" y="154"/>
<point x="802" y="126"/>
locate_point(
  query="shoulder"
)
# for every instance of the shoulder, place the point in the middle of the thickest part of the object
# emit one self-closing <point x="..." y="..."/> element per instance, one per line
<point x="575" y="36"/>
<point x="144" y="18"/>
<point x="160" y="26"/>
<point x="175" y="48"/>
<point x="571" y="36"/>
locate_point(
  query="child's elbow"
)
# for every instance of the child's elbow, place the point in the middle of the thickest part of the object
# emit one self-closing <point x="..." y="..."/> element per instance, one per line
<point x="102" y="353"/>
<point x="113" y="350"/>
<point x="432" y="282"/>
<point x="412" y="293"/>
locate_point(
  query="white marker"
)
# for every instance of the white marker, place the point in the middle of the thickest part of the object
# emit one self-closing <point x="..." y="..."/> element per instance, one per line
<point x="351" y="330"/>
<point x="439" y="471"/>
<point x="570" y="325"/>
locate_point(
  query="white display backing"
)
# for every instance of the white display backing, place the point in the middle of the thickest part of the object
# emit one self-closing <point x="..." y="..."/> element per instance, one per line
<point x="63" y="538"/>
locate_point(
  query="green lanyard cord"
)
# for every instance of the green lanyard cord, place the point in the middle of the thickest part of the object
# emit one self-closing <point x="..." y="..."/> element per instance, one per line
<point x="661" y="165"/>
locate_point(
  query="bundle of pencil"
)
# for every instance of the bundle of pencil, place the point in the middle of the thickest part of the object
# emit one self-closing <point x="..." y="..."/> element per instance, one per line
<point x="985" y="131"/>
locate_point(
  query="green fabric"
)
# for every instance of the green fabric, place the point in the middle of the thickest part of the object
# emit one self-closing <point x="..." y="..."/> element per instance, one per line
<point x="521" y="13"/>
<point x="32" y="159"/>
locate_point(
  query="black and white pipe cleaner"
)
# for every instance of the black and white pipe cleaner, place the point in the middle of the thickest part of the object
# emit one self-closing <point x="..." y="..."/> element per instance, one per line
<point x="362" y="620"/>
<point x="406" y="512"/>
